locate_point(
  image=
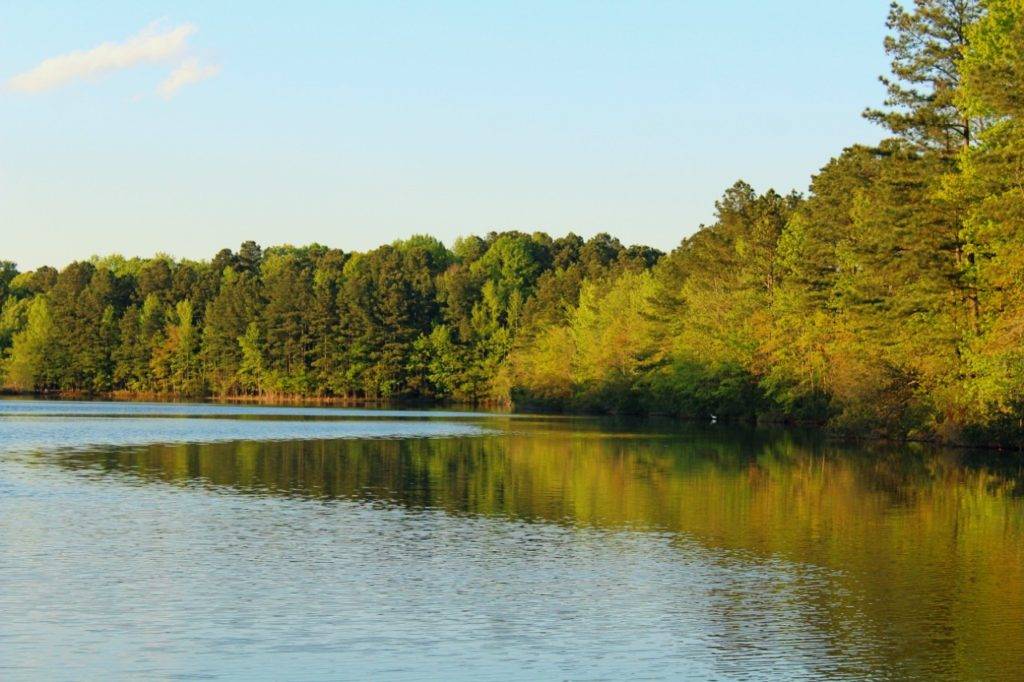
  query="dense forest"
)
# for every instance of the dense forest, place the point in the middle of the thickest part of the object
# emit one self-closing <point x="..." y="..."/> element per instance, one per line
<point x="888" y="299"/>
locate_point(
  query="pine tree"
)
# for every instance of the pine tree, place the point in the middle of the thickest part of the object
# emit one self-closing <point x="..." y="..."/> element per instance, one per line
<point x="228" y="315"/>
<point x="992" y="185"/>
<point x="8" y="271"/>
<point x="807" y="301"/>
<point x="285" y="323"/>
<point x="926" y="46"/>
<point x="324" y="321"/>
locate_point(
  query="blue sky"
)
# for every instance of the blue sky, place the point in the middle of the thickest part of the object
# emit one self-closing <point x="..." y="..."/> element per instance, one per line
<point x="355" y="123"/>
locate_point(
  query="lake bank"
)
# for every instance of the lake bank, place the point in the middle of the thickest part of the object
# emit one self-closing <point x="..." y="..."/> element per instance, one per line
<point x="1013" y="446"/>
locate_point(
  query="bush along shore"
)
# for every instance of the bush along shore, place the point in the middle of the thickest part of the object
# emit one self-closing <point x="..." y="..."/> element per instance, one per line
<point x="886" y="300"/>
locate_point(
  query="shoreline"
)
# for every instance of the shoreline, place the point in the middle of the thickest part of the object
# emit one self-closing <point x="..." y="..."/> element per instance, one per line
<point x="494" y="407"/>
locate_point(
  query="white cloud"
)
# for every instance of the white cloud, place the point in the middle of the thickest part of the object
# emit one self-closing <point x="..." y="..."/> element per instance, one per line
<point x="188" y="72"/>
<point x="150" y="45"/>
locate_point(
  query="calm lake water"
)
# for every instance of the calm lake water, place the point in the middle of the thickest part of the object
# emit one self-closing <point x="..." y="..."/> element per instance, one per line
<point x="166" y="541"/>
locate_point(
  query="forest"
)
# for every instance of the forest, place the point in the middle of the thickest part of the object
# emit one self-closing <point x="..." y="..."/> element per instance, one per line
<point x="886" y="299"/>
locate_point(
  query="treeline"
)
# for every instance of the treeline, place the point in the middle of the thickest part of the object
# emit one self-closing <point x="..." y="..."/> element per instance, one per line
<point x="411" y="319"/>
<point x="889" y="298"/>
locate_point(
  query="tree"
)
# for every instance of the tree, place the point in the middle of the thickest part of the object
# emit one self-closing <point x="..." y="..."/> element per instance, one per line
<point x="597" y="359"/>
<point x="992" y="186"/>
<point x="926" y="46"/>
<point x="84" y="304"/>
<point x="249" y="257"/>
<point x="13" y="317"/>
<point x="155" y="279"/>
<point x="326" y="360"/>
<point x="717" y="290"/>
<point x="902" y="305"/>
<point x="28" y="365"/>
<point x="228" y="315"/>
<point x="807" y="301"/>
<point x="142" y="332"/>
<point x="387" y="301"/>
<point x="252" y="371"/>
<point x="614" y="343"/>
<point x="8" y="271"/>
<point x="285" y="321"/>
<point x="176" y="363"/>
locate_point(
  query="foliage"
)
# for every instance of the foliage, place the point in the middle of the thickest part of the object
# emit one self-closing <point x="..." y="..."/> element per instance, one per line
<point x="889" y="299"/>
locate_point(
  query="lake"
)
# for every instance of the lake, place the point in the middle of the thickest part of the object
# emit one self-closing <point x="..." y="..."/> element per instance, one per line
<point x="171" y="541"/>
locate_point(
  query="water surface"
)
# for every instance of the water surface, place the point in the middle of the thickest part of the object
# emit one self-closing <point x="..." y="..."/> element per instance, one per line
<point x="199" y="541"/>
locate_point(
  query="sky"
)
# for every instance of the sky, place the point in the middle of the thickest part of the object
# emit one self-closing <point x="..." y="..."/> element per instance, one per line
<point x="141" y="127"/>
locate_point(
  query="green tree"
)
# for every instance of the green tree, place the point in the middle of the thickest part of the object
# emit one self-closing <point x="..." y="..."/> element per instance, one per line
<point x="326" y="353"/>
<point x="902" y="309"/>
<point x="176" y="363"/>
<point x="28" y="366"/>
<point x="84" y="304"/>
<point x="807" y="300"/>
<point x="286" y="321"/>
<point x="8" y="271"/>
<point x="252" y="371"/>
<point x="387" y="301"/>
<point x="926" y="46"/>
<point x="236" y="305"/>
<point x="721" y="284"/>
<point x="992" y="186"/>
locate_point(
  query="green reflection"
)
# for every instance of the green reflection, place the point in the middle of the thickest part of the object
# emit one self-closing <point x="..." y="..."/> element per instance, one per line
<point x="926" y="548"/>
